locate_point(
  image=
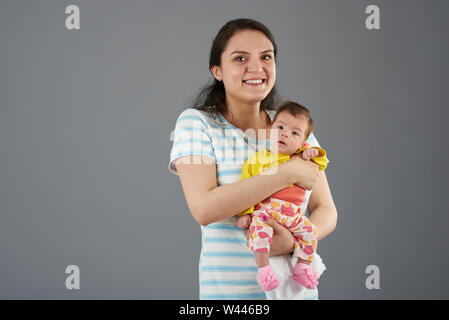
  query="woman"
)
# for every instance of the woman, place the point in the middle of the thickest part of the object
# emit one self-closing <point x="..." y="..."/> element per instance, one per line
<point x="212" y="141"/>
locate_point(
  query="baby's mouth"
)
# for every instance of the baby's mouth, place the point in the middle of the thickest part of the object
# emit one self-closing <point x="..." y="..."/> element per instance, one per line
<point x="282" y="142"/>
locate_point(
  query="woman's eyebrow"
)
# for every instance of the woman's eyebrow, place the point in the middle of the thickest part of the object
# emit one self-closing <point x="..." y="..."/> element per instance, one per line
<point x="246" y="52"/>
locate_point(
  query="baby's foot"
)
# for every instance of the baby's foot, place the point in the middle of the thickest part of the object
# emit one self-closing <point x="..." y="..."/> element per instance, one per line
<point x="305" y="275"/>
<point x="267" y="279"/>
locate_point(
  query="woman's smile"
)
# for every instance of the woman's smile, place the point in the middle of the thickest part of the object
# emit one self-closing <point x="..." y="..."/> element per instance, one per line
<point x="254" y="82"/>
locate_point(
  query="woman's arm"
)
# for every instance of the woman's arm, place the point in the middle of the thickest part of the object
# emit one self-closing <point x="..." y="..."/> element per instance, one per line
<point x="209" y="203"/>
<point x="321" y="207"/>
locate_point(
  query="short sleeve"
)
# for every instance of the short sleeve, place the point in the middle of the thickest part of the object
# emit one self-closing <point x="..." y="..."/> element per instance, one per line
<point x="190" y="137"/>
<point x="313" y="142"/>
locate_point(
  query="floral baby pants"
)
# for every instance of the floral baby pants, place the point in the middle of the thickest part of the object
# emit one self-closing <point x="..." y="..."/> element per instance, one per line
<point x="289" y="216"/>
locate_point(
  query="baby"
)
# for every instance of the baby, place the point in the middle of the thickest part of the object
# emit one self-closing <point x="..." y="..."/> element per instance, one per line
<point x="294" y="124"/>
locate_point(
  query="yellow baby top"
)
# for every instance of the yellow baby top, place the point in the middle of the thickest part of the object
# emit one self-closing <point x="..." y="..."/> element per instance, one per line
<point x="263" y="160"/>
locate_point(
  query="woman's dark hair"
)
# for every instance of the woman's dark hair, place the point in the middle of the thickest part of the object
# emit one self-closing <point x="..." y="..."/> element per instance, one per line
<point x="212" y="97"/>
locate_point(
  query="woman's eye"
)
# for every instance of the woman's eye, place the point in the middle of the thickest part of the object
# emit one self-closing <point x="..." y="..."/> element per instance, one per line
<point x="240" y="59"/>
<point x="267" y="57"/>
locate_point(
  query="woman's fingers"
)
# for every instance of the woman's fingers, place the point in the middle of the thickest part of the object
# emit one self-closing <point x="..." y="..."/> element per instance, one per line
<point x="283" y="241"/>
<point x="277" y="228"/>
<point x="306" y="172"/>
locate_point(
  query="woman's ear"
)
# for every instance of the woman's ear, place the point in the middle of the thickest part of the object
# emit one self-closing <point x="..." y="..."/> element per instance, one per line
<point x="216" y="71"/>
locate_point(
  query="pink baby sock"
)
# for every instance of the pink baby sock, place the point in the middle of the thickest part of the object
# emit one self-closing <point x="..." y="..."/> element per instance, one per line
<point x="267" y="279"/>
<point x="305" y="275"/>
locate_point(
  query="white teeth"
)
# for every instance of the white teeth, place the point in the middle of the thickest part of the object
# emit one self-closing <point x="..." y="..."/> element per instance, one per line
<point x="254" y="81"/>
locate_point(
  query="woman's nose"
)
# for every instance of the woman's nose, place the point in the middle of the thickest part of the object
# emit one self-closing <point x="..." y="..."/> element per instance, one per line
<point x="254" y="66"/>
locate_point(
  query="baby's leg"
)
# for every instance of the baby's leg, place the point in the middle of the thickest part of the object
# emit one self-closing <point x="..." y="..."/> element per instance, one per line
<point x="261" y="235"/>
<point x="306" y="239"/>
<point x="260" y="239"/>
<point x="306" y="236"/>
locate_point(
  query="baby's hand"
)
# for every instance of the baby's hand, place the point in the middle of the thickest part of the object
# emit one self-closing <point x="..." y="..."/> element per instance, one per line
<point x="309" y="154"/>
<point x="244" y="221"/>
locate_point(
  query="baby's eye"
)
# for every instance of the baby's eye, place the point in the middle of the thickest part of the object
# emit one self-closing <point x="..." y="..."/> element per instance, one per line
<point x="295" y="133"/>
<point x="280" y="127"/>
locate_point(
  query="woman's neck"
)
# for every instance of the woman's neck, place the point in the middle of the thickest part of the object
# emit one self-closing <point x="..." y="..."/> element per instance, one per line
<point x="247" y="116"/>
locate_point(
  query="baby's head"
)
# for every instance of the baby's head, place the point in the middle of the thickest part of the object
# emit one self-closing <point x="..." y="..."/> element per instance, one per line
<point x="294" y="124"/>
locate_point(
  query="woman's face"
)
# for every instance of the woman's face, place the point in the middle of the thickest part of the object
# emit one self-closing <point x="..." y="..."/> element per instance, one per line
<point x="248" y="69"/>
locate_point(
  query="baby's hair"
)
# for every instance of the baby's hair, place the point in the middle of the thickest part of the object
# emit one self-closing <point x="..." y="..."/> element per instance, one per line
<point x="295" y="109"/>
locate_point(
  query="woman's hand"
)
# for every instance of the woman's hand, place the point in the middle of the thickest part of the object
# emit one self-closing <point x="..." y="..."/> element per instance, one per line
<point x="283" y="240"/>
<point x="305" y="173"/>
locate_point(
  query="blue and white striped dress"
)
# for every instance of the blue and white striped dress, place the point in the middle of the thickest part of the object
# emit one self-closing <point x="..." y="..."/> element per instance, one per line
<point x="227" y="269"/>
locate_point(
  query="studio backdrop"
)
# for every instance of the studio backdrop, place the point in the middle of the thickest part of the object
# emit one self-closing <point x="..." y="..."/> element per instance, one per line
<point x="89" y="95"/>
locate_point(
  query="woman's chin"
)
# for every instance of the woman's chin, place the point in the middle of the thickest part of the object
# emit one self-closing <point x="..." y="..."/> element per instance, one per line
<point x="255" y="98"/>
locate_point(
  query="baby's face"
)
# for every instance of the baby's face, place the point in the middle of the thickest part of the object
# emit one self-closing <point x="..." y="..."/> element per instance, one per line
<point x="288" y="133"/>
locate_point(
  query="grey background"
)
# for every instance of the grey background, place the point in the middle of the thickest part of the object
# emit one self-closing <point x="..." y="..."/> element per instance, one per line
<point x="86" y="117"/>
